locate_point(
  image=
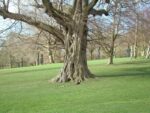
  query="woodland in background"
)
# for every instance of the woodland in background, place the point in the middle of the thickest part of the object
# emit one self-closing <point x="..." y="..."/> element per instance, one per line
<point x="72" y="33"/>
<point x="21" y="50"/>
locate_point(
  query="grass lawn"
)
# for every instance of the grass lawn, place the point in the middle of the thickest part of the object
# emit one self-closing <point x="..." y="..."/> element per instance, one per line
<point x="120" y="88"/>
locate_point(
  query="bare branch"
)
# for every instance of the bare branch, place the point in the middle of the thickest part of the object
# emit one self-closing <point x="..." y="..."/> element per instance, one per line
<point x="8" y="28"/>
<point x="99" y="12"/>
<point x="61" y="17"/>
<point x="20" y="17"/>
<point x="92" y="4"/>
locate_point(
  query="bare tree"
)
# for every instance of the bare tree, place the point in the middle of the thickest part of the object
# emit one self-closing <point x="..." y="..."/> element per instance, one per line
<point x="106" y="32"/>
<point x="73" y="35"/>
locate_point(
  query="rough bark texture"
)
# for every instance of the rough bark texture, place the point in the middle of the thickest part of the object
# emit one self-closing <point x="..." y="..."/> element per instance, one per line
<point x="75" y="40"/>
<point x="75" y="64"/>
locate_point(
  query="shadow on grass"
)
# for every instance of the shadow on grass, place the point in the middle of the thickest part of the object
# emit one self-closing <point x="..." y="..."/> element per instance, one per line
<point x="135" y="62"/>
<point x="123" y="71"/>
<point x="138" y="71"/>
<point x="32" y="70"/>
<point x="126" y="63"/>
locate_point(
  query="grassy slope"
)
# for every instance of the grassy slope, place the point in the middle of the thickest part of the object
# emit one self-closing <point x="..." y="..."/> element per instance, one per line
<point x="121" y="88"/>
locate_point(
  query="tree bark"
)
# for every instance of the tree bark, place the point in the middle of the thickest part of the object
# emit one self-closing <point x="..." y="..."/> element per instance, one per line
<point x="128" y="50"/>
<point x="136" y="39"/>
<point x="51" y="59"/>
<point x="41" y="59"/>
<point x="131" y="52"/>
<point x="75" y="24"/>
<point x="135" y="50"/>
<point x="91" y="54"/>
<point x="111" y="56"/>
<point x="50" y="52"/>
<point x="11" y="61"/>
<point x="111" y="59"/>
<point x="148" y="52"/>
<point x="99" y="53"/>
<point x="22" y="62"/>
<point x="75" y="63"/>
<point x="38" y="59"/>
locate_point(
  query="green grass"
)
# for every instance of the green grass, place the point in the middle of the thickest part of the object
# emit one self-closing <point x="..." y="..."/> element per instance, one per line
<point x="120" y="88"/>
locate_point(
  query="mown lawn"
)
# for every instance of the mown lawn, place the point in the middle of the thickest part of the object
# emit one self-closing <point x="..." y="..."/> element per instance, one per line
<point x="120" y="88"/>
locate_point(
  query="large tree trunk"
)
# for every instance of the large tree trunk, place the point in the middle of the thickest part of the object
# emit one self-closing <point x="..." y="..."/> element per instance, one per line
<point x="75" y="63"/>
<point x="75" y="22"/>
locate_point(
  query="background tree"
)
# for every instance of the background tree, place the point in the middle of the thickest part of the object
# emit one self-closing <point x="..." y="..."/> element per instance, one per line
<point x="106" y="31"/>
<point x="73" y="35"/>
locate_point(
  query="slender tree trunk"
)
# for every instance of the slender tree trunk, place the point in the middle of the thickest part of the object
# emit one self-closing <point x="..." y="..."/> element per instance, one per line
<point x="38" y="59"/>
<point x="131" y="52"/>
<point x="41" y="59"/>
<point x="128" y="51"/>
<point x="75" y="63"/>
<point x="50" y="52"/>
<point x="51" y="59"/>
<point x="135" y="40"/>
<point x="91" y="54"/>
<point x="11" y="61"/>
<point x="148" y="52"/>
<point x="111" y="59"/>
<point x="142" y="52"/>
<point x="99" y="53"/>
<point x="22" y="62"/>
<point x="135" y="50"/>
<point x="111" y="56"/>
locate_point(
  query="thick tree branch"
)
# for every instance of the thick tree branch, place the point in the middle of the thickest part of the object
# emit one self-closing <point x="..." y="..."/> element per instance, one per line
<point x="92" y="4"/>
<point x="99" y="12"/>
<point x="20" y="17"/>
<point x="61" y="17"/>
<point x="74" y="6"/>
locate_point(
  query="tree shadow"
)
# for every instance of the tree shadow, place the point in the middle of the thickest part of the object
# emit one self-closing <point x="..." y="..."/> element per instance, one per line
<point x="134" y="62"/>
<point x="28" y="71"/>
<point x="138" y="71"/>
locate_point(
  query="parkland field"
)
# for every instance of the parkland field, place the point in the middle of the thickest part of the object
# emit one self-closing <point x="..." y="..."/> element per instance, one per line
<point x="120" y="88"/>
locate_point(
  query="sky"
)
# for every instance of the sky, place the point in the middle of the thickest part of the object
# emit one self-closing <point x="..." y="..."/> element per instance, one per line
<point x="6" y="23"/>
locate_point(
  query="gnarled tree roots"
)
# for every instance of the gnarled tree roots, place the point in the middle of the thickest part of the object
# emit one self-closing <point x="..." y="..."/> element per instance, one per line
<point x="75" y="76"/>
